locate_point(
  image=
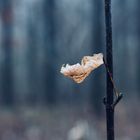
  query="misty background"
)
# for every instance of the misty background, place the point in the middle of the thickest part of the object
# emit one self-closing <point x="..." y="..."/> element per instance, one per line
<point x="36" y="38"/>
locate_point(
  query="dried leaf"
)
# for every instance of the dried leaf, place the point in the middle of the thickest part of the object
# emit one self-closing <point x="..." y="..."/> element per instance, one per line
<point x="78" y="72"/>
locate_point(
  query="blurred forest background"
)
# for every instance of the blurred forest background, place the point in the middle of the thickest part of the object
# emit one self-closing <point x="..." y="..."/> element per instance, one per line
<point x="36" y="38"/>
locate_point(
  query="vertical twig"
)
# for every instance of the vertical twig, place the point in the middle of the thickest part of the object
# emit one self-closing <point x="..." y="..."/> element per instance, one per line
<point x="110" y="96"/>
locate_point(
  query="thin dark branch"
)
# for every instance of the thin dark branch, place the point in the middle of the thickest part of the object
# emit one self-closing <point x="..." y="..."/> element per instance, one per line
<point x="111" y="78"/>
<point x="109" y="58"/>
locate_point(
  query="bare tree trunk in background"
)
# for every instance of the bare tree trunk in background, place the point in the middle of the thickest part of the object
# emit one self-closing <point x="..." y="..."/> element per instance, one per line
<point x="32" y="63"/>
<point x="7" y="70"/>
<point x="97" y="87"/>
<point x="50" y="64"/>
<point x="138" y="48"/>
<point x="123" y="35"/>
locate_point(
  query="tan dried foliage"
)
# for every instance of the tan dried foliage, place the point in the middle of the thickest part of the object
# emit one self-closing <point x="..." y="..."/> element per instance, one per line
<point x="78" y="72"/>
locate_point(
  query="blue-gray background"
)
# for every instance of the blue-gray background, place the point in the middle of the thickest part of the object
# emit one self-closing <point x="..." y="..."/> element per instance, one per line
<point x="36" y="38"/>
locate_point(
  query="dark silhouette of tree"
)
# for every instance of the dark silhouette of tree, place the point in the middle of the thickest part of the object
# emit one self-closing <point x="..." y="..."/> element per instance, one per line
<point x="138" y="47"/>
<point x="32" y="60"/>
<point x="97" y="88"/>
<point x="121" y="34"/>
<point x="50" y="57"/>
<point x="7" y="70"/>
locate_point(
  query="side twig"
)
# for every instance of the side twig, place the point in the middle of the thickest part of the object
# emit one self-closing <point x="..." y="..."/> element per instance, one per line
<point x="118" y="94"/>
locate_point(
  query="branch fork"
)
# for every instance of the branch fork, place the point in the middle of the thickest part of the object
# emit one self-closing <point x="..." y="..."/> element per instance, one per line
<point x="118" y="95"/>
